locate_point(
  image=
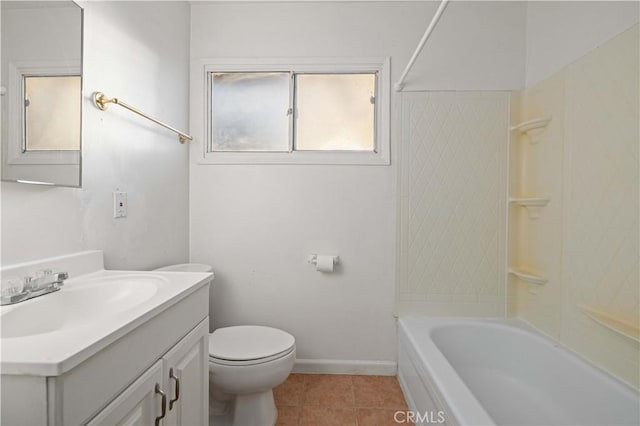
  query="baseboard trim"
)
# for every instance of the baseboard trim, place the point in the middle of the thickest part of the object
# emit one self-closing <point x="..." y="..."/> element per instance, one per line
<point x="339" y="366"/>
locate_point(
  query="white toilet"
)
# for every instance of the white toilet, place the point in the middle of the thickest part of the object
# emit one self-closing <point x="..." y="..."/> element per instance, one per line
<point x="245" y="363"/>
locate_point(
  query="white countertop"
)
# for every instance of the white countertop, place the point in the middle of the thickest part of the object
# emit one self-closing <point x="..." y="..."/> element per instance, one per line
<point x="55" y="352"/>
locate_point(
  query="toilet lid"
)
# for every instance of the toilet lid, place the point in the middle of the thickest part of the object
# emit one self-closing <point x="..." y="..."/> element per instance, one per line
<point x="248" y="342"/>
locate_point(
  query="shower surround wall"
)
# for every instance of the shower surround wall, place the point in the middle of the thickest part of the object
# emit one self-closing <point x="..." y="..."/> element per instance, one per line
<point x="586" y="240"/>
<point x="452" y="216"/>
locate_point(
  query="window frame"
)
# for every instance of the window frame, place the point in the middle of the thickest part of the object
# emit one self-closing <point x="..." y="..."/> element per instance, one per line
<point x="380" y="66"/>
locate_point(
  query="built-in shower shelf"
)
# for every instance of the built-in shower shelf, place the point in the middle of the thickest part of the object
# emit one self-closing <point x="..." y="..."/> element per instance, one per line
<point x="617" y="325"/>
<point x="533" y="205"/>
<point x="527" y="276"/>
<point x="532" y="128"/>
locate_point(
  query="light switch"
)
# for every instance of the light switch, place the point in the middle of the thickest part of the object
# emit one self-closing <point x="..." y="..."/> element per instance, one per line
<point x="119" y="204"/>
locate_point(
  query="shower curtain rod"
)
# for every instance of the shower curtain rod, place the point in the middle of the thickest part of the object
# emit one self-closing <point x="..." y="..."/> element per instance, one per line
<point x="101" y="101"/>
<point x="400" y="84"/>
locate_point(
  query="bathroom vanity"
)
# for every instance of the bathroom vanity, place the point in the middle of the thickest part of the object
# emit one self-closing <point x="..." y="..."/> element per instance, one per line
<point x="110" y="347"/>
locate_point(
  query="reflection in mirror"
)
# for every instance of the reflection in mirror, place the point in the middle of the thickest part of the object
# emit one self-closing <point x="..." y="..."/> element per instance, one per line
<point x="41" y="92"/>
<point x="52" y="132"/>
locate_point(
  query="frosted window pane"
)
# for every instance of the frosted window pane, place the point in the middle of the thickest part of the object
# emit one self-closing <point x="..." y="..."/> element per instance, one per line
<point x="52" y="113"/>
<point x="335" y="112"/>
<point x="249" y="111"/>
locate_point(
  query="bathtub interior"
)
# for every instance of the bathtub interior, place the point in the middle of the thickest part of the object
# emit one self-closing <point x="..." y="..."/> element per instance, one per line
<point x="520" y="377"/>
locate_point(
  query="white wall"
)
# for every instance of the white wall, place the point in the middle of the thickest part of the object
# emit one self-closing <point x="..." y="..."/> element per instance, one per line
<point x="560" y="32"/>
<point x="477" y="45"/>
<point x="256" y="224"/>
<point x="137" y="51"/>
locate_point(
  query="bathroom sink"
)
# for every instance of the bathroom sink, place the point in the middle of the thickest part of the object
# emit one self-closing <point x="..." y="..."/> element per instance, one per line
<point x="79" y="303"/>
<point x="51" y="334"/>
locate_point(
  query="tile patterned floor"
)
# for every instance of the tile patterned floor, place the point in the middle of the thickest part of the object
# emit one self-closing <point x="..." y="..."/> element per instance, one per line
<point x="338" y="400"/>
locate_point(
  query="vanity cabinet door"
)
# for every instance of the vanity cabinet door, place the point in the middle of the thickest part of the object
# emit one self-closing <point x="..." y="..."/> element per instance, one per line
<point x="186" y="367"/>
<point x="139" y="404"/>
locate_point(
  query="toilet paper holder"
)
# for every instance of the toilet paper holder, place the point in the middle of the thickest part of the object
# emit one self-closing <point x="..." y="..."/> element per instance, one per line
<point x="313" y="259"/>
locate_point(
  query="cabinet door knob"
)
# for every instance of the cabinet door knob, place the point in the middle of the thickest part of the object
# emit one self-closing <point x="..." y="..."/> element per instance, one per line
<point x="177" y="393"/>
<point x="164" y="404"/>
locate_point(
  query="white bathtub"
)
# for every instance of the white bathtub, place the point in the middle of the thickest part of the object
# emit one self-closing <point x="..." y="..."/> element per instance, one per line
<point x="502" y="372"/>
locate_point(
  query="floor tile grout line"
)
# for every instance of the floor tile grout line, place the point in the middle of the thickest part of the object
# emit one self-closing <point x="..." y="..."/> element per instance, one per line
<point x="353" y="396"/>
<point x="301" y="400"/>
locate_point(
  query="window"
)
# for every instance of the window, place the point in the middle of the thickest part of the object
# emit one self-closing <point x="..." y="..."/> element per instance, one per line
<point x="48" y="127"/>
<point x="300" y="112"/>
<point x="249" y="111"/>
<point x="335" y="112"/>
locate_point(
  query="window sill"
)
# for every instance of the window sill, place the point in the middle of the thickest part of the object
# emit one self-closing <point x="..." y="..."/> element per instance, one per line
<point x="306" y="158"/>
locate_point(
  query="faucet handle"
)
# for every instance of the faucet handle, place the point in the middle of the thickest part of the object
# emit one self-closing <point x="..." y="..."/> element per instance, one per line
<point x="11" y="286"/>
<point x="44" y="278"/>
<point x="14" y="290"/>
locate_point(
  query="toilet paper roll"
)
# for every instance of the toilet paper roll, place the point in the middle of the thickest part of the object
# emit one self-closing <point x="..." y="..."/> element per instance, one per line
<point x="324" y="263"/>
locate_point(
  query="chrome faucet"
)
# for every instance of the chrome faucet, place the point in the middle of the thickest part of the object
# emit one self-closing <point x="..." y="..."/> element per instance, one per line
<point x="14" y="290"/>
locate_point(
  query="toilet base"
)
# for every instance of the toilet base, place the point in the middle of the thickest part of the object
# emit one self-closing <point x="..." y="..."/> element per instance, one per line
<point x="219" y="403"/>
<point x="218" y="408"/>
<point x="255" y="409"/>
<point x="247" y="389"/>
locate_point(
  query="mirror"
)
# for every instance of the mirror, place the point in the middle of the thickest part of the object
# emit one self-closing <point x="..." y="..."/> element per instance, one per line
<point x="41" y="92"/>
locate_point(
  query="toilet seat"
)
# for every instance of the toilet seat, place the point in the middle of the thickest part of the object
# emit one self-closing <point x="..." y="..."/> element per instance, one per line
<point x="248" y="345"/>
<point x="214" y="360"/>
